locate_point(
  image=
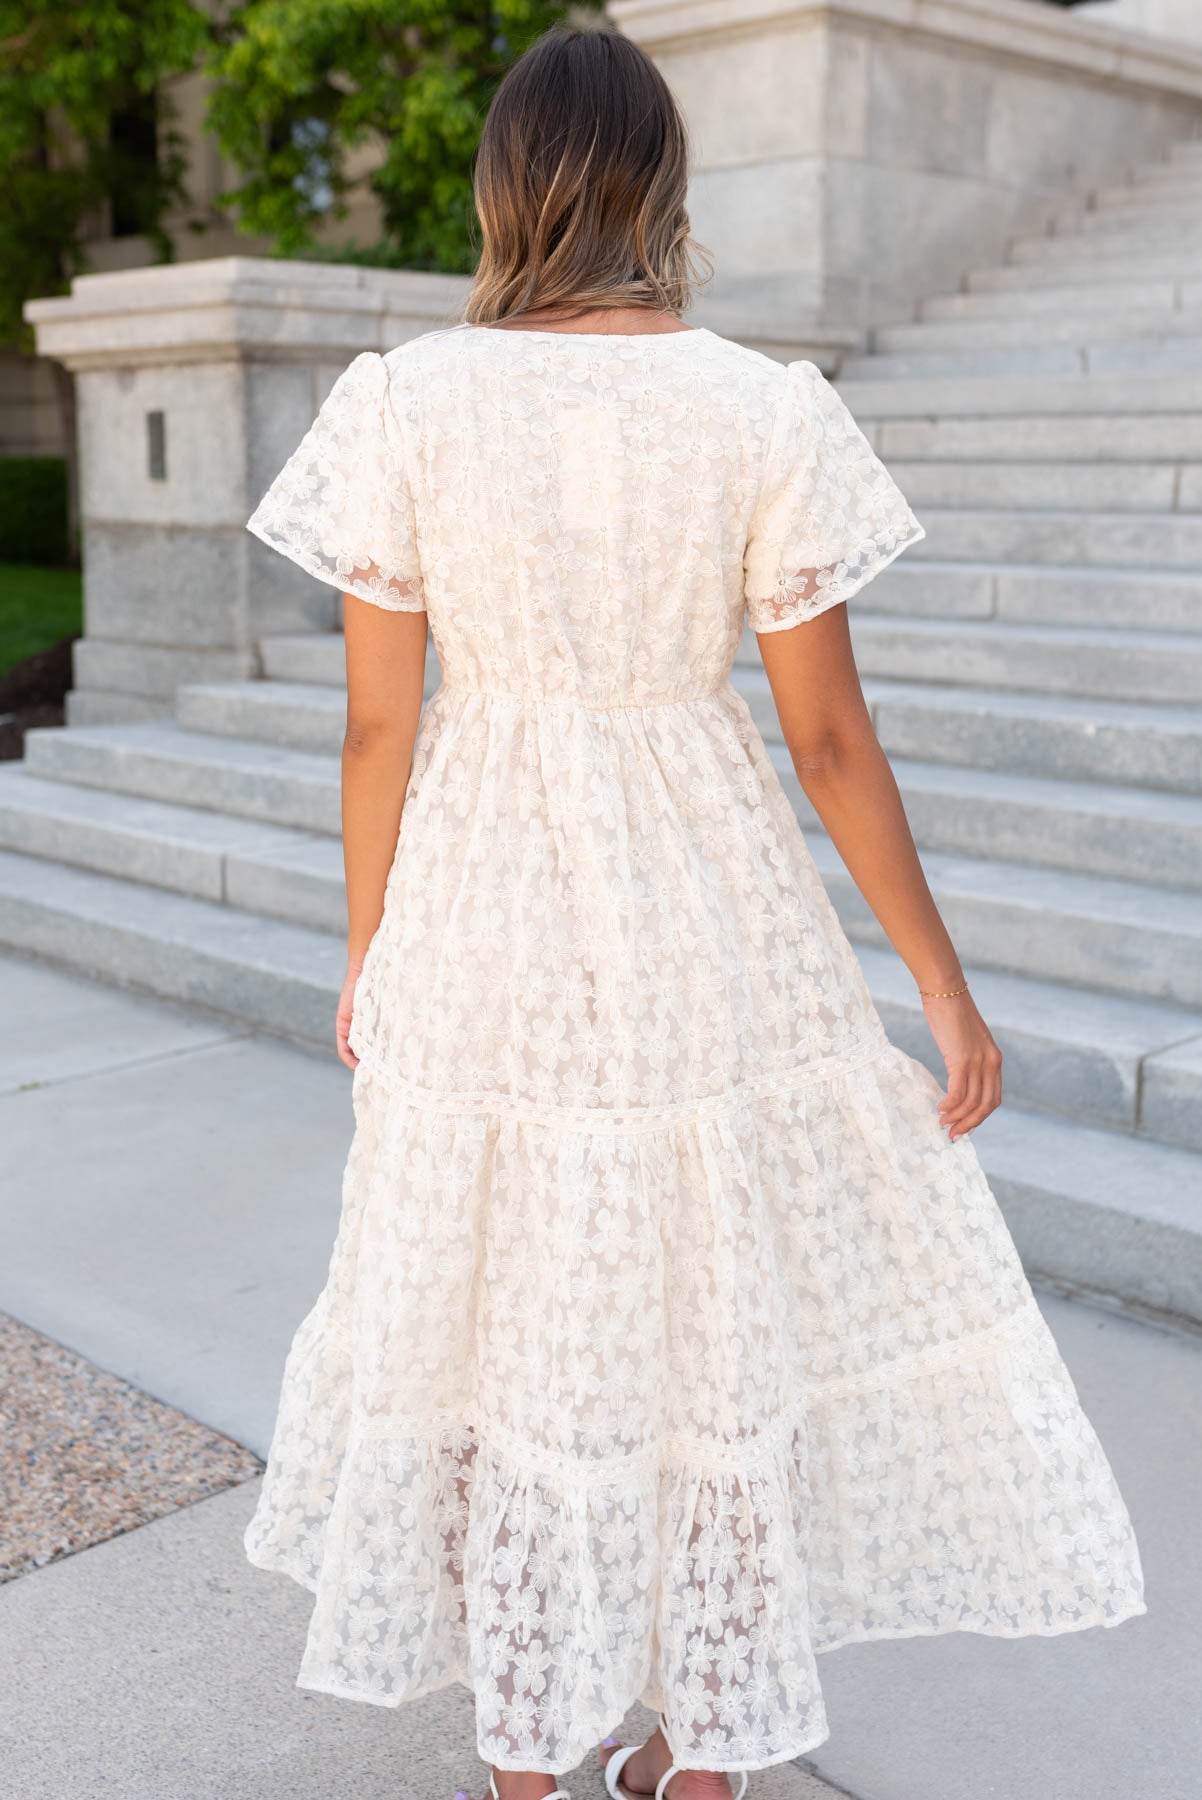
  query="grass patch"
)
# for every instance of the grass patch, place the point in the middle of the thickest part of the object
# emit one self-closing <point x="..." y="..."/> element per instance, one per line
<point x="38" y="608"/>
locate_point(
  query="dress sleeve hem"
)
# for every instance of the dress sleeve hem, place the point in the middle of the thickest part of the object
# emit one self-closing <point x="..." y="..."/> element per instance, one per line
<point x="372" y="589"/>
<point x="836" y="591"/>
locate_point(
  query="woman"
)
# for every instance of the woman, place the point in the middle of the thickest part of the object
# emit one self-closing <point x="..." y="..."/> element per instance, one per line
<point x="672" y="1333"/>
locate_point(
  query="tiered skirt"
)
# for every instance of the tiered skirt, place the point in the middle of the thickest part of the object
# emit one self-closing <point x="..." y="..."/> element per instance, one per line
<point x="659" y="1404"/>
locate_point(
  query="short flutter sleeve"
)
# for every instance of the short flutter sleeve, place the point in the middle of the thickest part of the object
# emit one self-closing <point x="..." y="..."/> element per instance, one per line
<point x="829" y="516"/>
<point x="341" y="506"/>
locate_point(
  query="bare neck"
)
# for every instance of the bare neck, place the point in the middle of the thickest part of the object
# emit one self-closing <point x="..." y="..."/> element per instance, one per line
<point x="601" y="321"/>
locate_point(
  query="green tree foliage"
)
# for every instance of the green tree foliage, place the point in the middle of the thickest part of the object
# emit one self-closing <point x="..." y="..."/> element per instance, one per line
<point x="318" y="98"/>
<point x="71" y="72"/>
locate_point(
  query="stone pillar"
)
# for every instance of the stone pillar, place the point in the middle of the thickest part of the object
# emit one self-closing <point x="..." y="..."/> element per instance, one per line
<point x="194" y="383"/>
<point x="854" y="156"/>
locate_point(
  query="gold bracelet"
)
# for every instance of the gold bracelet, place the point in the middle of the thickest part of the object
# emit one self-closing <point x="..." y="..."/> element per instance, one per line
<point x="951" y="994"/>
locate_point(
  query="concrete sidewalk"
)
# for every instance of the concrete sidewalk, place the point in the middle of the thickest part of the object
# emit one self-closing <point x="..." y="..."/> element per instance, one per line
<point x="170" y="1190"/>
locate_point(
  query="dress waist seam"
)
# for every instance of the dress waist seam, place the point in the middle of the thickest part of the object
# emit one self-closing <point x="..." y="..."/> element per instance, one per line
<point x="463" y="690"/>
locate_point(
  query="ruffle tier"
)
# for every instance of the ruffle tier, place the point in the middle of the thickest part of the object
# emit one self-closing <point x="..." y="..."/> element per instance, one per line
<point x="592" y="1413"/>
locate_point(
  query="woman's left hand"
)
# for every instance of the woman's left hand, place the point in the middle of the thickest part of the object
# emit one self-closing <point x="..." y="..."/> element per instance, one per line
<point x="973" y="1060"/>
<point x="346" y="1008"/>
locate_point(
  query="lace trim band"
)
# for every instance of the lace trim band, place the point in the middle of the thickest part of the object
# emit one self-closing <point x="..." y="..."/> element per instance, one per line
<point x="1009" y="1334"/>
<point x="606" y="1121"/>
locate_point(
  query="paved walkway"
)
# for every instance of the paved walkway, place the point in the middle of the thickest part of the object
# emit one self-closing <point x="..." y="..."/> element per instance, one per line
<point x="168" y="1197"/>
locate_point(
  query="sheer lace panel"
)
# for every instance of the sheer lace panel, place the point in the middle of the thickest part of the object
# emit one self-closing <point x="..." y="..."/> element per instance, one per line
<point x="341" y="506"/>
<point x="829" y="517"/>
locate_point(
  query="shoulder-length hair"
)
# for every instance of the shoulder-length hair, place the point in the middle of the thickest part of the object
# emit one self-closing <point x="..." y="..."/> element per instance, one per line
<point x="581" y="181"/>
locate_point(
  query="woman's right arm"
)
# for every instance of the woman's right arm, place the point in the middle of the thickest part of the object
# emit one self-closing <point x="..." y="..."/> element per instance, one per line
<point x="847" y="779"/>
<point x="385" y="667"/>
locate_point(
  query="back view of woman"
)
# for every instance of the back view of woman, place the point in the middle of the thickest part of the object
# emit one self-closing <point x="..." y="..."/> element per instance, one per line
<point x="672" y="1334"/>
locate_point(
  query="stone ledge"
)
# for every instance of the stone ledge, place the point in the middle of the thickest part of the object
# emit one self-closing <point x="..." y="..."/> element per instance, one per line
<point x="240" y="309"/>
<point x="1025" y="29"/>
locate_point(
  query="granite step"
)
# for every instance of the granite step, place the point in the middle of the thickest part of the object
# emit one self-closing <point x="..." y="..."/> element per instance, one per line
<point x="1061" y="737"/>
<point x="1137" y="540"/>
<point x="1107" y="446"/>
<point x="1115" y="937"/>
<point x="1164" y="354"/>
<point x="1153" y="215"/>
<point x="1111" y="1215"/>
<point x="1035" y="594"/>
<point x="277" y="977"/>
<point x="1084" y="828"/>
<point x="1048" y="361"/>
<point x="975" y="395"/>
<point x="1027" y="276"/>
<point x="1073" y="325"/>
<point x="314" y="659"/>
<point x="1128" y="1065"/>
<point x="1044" y="485"/>
<point x="310" y="657"/>
<point x="294" y="715"/>
<point x="266" y="869"/>
<point x="1043" y="736"/>
<point x="1172" y="1083"/>
<point x="1011" y="300"/>
<point x="1105" y="236"/>
<point x="1157" y="186"/>
<point x="159" y="761"/>
<point x="181" y="848"/>
<point x="96" y="706"/>
<point x="1105" y="663"/>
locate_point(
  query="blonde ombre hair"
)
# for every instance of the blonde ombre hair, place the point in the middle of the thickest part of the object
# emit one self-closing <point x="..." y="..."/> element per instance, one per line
<point x="581" y="181"/>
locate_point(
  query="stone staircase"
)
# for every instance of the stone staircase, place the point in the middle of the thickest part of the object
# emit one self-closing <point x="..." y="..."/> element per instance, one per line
<point x="1035" y="672"/>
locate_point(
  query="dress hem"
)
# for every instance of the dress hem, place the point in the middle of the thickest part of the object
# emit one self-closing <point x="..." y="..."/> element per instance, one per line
<point x="704" y="1764"/>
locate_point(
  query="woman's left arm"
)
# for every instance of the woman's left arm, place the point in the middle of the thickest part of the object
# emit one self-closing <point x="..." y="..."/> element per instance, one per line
<point x="847" y="779"/>
<point x="385" y="667"/>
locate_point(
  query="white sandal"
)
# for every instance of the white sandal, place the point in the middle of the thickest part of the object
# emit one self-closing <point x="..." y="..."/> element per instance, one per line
<point x="617" y="1790"/>
<point x="559" y="1794"/>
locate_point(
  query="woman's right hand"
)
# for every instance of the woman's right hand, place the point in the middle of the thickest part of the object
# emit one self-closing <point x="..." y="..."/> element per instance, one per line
<point x="346" y="1008"/>
<point x="973" y="1062"/>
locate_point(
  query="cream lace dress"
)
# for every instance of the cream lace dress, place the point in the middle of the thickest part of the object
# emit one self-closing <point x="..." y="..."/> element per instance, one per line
<point x="667" y="1340"/>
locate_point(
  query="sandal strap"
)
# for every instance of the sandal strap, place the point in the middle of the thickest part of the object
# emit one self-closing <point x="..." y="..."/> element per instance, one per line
<point x="613" y="1768"/>
<point x="559" y="1794"/>
<point x="662" y="1790"/>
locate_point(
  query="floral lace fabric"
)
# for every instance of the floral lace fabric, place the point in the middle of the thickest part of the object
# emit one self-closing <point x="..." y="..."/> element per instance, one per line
<point x="667" y="1341"/>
